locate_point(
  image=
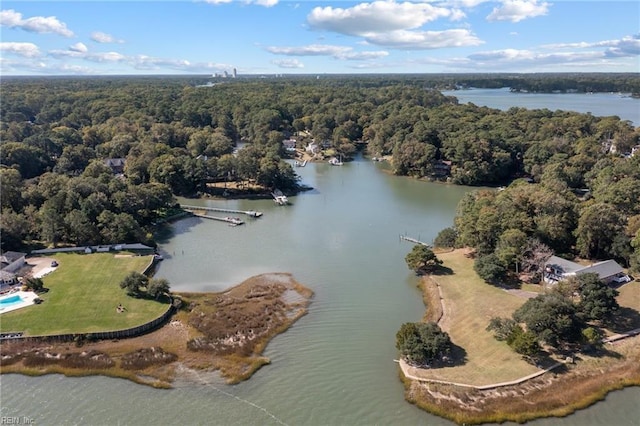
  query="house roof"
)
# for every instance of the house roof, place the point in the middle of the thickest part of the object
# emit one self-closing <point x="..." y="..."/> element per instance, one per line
<point x="11" y="256"/>
<point x="6" y="276"/>
<point x="135" y="246"/>
<point x="605" y="269"/>
<point x="114" y="162"/>
<point x="563" y="265"/>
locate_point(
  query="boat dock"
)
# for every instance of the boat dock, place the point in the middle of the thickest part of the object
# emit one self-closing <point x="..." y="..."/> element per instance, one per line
<point x="413" y="240"/>
<point x="251" y="213"/>
<point x="232" y="221"/>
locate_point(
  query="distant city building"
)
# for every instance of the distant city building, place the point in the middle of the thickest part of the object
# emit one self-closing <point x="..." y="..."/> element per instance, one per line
<point x="235" y="73"/>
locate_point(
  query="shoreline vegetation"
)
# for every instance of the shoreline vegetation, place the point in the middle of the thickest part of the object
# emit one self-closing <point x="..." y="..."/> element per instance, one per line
<point x="223" y="332"/>
<point x="577" y="384"/>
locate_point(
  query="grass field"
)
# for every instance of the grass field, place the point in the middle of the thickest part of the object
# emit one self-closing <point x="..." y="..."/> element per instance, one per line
<point x="83" y="295"/>
<point x="469" y="304"/>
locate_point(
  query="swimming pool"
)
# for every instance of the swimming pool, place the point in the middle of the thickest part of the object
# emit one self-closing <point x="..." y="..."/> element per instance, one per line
<point x="10" y="300"/>
<point x="21" y="299"/>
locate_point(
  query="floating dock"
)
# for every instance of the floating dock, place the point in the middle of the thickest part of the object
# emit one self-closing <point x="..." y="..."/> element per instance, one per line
<point x="251" y="213"/>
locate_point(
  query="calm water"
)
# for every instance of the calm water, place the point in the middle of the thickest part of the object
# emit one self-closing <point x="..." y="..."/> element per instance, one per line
<point x="334" y="366"/>
<point x="598" y="104"/>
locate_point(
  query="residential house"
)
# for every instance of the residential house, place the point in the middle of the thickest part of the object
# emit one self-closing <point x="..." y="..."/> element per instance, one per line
<point x="289" y="144"/>
<point x="10" y="263"/>
<point x="312" y="148"/>
<point x="556" y="269"/>
<point x="442" y="168"/>
<point x="115" y="164"/>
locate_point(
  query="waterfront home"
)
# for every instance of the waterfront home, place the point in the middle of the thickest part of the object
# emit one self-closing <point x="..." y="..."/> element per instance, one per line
<point x="10" y="262"/>
<point x="557" y="269"/>
<point x="289" y="144"/>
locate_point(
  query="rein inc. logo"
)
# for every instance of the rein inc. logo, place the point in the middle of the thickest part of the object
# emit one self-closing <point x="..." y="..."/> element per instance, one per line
<point x="16" y="420"/>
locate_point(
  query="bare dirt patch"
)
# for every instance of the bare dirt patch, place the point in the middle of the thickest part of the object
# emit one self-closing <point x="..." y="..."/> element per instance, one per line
<point x="225" y="331"/>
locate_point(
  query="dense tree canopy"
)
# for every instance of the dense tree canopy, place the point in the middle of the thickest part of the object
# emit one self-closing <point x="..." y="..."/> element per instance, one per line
<point x="422" y="259"/>
<point x="422" y="343"/>
<point x="551" y="318"/>
<point x="57" y="133"/>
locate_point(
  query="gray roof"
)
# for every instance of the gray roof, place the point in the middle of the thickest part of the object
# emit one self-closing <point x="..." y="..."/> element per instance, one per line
<point x="135" y="246"/>
<point x="564" y="265"/>
<point x="605" y="269"/>
<point x="12" y="256"/>
<point x="6" y="276"/>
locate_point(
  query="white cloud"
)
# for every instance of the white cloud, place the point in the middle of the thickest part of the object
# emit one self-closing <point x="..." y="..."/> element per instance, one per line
<point x="528" y="60"/>
<point x="28" y="50"/>
<point x="375" y="17"/>
<point x="310" y="50"/>
<point x="80" y="51"/>
<point x="78" y="47"/>
<point x="518" y="10"/>
<point x="337" y="52"/>
<point x="465" y="3"/>
<point x="265" y="3"/>
<point x="626" y="47"/>
<point x="35" y="24"/>
<point x="410" y="40"/>
<point x="100" y="37"/>
<point x="288" y="63"/>
<point x="394" y="25"/>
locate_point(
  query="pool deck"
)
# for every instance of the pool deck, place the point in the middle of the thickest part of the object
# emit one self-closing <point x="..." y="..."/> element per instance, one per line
<point x="27" y="300"/>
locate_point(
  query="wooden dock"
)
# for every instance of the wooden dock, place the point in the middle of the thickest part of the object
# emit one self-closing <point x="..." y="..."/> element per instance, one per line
<point x="232" y="221"/>
<point x="250" y="213"/>
<point x="414" y="241"/>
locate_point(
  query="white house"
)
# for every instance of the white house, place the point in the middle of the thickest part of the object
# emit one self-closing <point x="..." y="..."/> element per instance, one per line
<point x="556" y="269"/>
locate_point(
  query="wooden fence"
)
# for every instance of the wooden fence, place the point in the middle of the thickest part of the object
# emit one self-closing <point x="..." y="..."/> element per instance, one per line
<point x="99" y="335"/>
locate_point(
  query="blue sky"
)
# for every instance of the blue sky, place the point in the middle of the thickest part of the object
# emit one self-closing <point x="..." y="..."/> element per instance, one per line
<point x="314" y="37"/>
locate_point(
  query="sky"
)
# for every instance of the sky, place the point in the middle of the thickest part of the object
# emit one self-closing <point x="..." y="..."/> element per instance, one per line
<point x="268" y="37"/>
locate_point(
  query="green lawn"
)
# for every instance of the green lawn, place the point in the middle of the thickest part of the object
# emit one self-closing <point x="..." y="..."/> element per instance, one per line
<point x="84" y="292"/>
<point x="469" y="304"/>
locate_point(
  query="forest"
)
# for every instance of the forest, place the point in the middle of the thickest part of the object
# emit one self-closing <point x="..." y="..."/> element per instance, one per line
<point x="167" y="136"/>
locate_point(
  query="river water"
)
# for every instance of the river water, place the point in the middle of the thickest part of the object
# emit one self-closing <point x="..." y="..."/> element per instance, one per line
<point x="335" y="365"/>
<point x="598" y="104"/>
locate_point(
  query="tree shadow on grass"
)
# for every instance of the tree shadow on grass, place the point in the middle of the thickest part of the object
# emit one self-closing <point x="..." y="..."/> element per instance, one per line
<point x="625" y="319"/>
<point x="442" y="270"/>
<point x="601" y="352"/>
<point x="456" y="358"/>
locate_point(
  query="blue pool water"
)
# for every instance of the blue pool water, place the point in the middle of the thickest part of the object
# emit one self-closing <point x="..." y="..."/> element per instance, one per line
<point x="11" y="300"/>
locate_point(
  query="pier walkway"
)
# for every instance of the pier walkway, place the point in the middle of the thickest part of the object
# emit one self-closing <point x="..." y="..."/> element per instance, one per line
<point x="414" y="241"/>
<point x="232" y="221"/>
<point x="251" y="213"/>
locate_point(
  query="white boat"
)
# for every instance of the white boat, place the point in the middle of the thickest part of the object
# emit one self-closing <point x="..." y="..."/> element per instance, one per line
<point x="335" y="162"/>
<point x="280" y="198"/>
